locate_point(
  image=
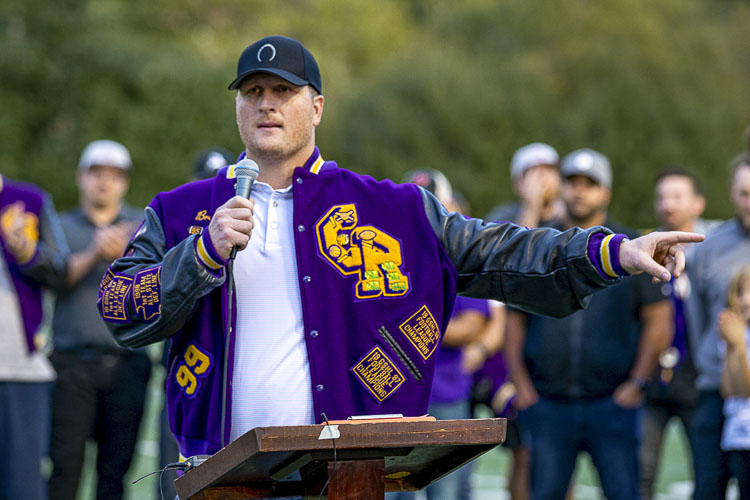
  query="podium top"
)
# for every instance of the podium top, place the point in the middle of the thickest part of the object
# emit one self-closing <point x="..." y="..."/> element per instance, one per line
<point x="278" y="460"/>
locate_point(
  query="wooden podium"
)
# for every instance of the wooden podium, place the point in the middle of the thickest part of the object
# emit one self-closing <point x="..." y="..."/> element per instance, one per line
<point x="370" y="458"/>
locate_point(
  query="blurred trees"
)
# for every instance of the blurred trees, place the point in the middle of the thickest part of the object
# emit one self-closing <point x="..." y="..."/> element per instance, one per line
<point x="457" y="86"/>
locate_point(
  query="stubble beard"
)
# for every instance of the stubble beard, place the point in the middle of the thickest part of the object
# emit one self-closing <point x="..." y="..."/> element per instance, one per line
<point x="277" y="150"/>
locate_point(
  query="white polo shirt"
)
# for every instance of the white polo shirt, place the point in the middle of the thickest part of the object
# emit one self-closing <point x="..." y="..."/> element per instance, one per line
<point x="271" y="380"/>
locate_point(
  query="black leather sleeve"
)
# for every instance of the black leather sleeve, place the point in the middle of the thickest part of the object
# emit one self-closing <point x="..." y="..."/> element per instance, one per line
<point x="543" y="271"/>
<point x="50" y="264"/>
<point x="184" y="280"/>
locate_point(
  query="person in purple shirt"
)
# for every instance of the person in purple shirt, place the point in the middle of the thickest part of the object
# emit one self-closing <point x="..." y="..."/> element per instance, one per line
<point x="344" y="289"/>
<point x="33" y="255"/>
<point x="466" y="344"/>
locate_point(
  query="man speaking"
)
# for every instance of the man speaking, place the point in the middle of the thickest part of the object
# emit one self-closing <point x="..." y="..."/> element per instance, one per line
<point x="341" y="286"/>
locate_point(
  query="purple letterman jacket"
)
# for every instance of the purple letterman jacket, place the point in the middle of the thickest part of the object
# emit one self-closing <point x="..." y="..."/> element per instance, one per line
<point x="47" y="263"/>
<point x="378" y="265"/>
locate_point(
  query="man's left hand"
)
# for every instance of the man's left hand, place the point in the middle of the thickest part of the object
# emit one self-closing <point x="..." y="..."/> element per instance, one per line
<point x="628" y="395"/>
<point x="659" y="254"/>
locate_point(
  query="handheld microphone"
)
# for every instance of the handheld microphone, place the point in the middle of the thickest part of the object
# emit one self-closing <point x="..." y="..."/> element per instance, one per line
<point x="245" y="172"/>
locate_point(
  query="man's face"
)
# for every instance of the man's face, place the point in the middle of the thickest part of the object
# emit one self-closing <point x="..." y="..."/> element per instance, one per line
<point x="583" y="197"/>
<point x="540" y="180"/>
<point x="276" y="119"/>
<point x="676" y="203"/>
<point x="102" y="185"/>
<point x="740" y="194"/>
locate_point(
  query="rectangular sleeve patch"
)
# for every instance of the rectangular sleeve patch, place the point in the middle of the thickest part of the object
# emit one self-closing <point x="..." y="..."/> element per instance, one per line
<point x="378" y="374"/>
<point x="146" y="292"/>
<point x="105" y="281"/>
<point x="422" y="331"/>
<point x="114" y="298"/>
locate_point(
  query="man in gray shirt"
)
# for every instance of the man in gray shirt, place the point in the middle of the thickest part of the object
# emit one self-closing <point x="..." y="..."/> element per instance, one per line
<point x="726" y="250"/>
<point x="100" y="390"/>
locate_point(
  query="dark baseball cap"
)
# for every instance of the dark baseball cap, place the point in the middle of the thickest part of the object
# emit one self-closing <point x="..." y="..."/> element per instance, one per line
<point x="210" y="161"/>
<point x="433" y="181"/>
<point x="281" y="56"/>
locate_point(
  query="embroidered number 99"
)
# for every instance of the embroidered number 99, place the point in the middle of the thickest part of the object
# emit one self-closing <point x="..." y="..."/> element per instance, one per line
<point x="187" y="380"/>
<point x="194" y="365"/>
<point x="196" y="359"/>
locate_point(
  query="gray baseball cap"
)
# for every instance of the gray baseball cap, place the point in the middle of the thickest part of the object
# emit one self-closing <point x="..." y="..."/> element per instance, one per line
<point x="105" y="152"/>
<point x="531" y="155"/>
<point x="589" y="163"/>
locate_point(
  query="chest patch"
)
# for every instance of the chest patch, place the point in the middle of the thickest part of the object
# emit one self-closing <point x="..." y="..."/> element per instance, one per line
<point x="372" y="255"/>
<point x="422" y="331"/>
<point x="378" y="374"/>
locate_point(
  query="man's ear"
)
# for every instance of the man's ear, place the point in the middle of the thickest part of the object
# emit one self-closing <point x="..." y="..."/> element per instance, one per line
<point x="318" y="102"/>
<point x="700" y="205"/>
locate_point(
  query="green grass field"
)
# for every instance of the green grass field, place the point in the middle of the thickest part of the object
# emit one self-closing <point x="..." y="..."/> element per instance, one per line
<point x="674" y="481"/>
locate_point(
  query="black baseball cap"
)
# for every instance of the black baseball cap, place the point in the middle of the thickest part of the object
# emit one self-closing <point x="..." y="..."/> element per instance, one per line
<point x="281" y="56"/>
<point x="210" y="161"/>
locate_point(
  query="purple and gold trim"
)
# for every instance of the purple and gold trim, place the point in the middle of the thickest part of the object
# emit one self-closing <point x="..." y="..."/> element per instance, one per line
<point x="314" y="164"/>
<point x="317" y="165"/>
<point x="604" y="253"/>
<point x="207" y="254"/>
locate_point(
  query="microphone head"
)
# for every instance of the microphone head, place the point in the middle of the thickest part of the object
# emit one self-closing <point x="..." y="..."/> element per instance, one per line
<point x="247" y="169"/>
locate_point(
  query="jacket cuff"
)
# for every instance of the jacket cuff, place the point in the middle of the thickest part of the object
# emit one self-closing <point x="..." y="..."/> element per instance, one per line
<point x="604" y="253"/>
<point x="207" y="254"/>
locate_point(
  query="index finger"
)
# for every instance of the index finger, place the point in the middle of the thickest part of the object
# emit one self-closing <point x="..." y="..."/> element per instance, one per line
<point x="678" y="237"/>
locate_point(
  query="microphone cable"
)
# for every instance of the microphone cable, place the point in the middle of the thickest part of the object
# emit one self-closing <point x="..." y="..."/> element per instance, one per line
<point x="225" y="374"/>
<point x="171" y="466"/>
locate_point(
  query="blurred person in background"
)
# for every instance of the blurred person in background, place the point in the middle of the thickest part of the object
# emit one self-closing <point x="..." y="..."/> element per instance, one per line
<point x="467" y="342"/>
<point x="207" y="163"/>
<point x="534" y="170"/>
<point x="714" y="262"/>
<point x="33" y="255"/>
<point x="678" y="204"/>
<point x="535" y="173"/>
<point x="580" y="379"/>
<point x="734" y="328"/>
<point x="101" y="387"/>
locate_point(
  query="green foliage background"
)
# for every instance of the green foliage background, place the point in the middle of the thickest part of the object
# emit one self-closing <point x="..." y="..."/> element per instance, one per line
<point x="456" y="86"/>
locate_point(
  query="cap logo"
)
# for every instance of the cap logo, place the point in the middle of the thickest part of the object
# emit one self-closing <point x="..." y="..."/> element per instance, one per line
<point x="215" y="161"/>
<point x="273" y="52"/>
<point x="585" y="162"/>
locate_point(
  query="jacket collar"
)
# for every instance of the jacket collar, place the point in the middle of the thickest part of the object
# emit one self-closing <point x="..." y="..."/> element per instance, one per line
<point x="313" y="164"/>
